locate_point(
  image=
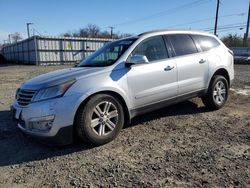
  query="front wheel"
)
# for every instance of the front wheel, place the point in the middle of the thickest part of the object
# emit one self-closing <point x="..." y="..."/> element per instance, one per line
<point x="217" y="93"/>
<point x="100" y="120"/>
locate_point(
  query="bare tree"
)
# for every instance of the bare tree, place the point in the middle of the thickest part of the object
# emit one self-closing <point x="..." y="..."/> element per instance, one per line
<point x="93" y="30"/>
<point x="83" y="32"/>
<point x="67" y="34"/>
<point x="104" y="34"/>
<point x="233" y="40"/>
<point x="75" y="34"/>
<point x="16" y="37"/>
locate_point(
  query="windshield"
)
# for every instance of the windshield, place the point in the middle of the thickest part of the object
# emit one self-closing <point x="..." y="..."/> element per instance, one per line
<point x="108" y="54"/>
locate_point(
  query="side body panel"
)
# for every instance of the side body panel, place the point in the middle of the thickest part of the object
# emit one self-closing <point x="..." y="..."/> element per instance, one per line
<point x="152" y="82"/>
<point x="192" y="74"/>
<point x="220" y="58"/>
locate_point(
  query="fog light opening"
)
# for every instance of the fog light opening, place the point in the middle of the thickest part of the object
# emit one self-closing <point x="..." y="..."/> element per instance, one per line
<point x="42" y="123"/>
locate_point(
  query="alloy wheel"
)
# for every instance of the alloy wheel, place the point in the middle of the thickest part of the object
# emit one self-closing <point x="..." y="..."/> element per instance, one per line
<point x="219" y="93"/>
<point x="104" y="118"/>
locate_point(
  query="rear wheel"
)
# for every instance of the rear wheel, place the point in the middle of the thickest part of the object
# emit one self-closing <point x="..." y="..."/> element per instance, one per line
<point x="217" y="93"/>
<point x="100" y="120"/>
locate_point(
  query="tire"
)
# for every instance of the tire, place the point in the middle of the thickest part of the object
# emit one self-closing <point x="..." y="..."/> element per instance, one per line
<point x="217" y="93"/>
<point x="100" y="120"/>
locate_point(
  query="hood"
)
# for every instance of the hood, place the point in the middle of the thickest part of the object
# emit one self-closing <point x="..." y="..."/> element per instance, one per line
<point x="59" y="76"/>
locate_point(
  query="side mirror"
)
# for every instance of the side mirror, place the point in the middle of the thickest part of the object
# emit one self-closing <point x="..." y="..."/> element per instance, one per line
<point x="137" y="59"/>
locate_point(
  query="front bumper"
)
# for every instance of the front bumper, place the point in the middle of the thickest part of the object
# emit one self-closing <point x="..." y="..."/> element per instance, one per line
<point x="61" y="127"/>
<point x="63" y="137"/>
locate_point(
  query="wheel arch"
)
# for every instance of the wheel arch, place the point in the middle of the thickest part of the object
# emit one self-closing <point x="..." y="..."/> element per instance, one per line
<point x="222" y="72"/>
<point x="108" y="92"/>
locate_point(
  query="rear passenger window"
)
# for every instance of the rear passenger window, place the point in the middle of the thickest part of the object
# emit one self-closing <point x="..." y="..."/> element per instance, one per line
<point x="182" y="44"/>
<point x="153" y="48"/>
<point x="205" y="42"/>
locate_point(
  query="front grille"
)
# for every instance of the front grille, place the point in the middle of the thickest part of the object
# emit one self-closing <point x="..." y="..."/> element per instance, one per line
<point x="24" y="97"/>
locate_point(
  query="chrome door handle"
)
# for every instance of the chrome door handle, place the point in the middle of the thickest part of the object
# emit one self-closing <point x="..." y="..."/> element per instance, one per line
<point x="202" y="61"/>
<point x="168" y="68"/>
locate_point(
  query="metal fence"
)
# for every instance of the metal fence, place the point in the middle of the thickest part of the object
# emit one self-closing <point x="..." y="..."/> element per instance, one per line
<point x="52" y="50"/>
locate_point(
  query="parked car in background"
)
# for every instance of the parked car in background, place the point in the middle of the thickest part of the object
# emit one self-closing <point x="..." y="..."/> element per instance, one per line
<point x="241" y="55"/>
<point x="241" y="58"/>
<point x="123" y="79"/>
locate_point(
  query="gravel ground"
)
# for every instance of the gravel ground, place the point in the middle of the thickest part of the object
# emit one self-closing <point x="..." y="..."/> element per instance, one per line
<point x="184" y="145"/>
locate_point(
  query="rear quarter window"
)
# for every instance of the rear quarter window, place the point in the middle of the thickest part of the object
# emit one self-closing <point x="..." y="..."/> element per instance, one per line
<point x="205" y="42"/>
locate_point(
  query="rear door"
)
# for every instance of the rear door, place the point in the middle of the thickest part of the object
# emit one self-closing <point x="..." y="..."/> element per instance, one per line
<point x="191" y="64"/>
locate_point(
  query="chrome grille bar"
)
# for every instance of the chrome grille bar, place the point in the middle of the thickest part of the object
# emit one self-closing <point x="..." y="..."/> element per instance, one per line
<point x="24" y="97"/>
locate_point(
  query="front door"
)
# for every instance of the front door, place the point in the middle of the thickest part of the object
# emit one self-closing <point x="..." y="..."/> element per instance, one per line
<point x="154" y="81"/>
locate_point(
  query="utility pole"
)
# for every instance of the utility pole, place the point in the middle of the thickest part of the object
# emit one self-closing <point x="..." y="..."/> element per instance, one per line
<point x="111" y="32"/>
<point x="28" y="28"/>
<point x="216" y="17"/>
<point x="245" y="42"/>
<point x="9" y="38"/>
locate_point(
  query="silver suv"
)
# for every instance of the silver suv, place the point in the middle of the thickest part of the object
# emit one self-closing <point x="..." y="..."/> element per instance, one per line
<point x="121" y="80"/>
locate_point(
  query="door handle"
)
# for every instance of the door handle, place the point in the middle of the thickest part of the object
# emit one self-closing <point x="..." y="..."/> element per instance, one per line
<point x="168" y="68"/>
<point x="202" y="61"/>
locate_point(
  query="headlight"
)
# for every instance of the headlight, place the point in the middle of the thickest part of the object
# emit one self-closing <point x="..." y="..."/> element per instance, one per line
<point x="53" y="92"/>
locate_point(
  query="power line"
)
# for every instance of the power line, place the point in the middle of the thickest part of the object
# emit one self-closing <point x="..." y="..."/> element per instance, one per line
<point x="227" y="27"/>
<point x="163" y="13"/>
<point x="224" y="26"/>
<point x="230" y="29"/>
<point x="238" y="28"/>
<point x="37" y="31"/>
<point x="210" y="18"/>
<point x="207" y="19"/>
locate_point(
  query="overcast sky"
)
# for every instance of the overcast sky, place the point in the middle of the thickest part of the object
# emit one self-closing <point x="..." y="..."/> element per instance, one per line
<point x="54" y="17"/>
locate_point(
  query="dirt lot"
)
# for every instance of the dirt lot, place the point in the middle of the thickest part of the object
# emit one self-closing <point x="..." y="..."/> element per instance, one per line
<point x="179" y="146"/>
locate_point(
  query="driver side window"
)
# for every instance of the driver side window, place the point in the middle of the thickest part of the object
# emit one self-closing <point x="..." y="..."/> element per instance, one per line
<point x="153" y="48"/>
